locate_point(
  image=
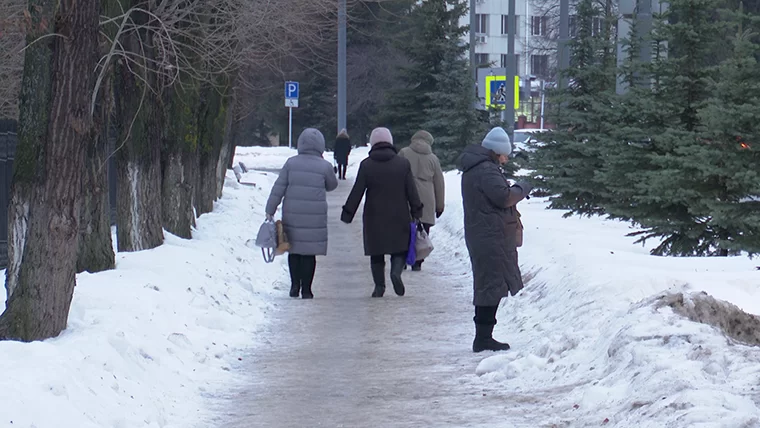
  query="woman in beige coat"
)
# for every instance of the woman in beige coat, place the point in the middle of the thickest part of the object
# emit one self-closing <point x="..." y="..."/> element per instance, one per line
<point x="428" y="175"/>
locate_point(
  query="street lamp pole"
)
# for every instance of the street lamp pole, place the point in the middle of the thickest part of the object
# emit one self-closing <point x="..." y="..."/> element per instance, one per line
<point x="473" y="66"/>
<point x="509" y="103"/>
<point x="341" y="64"/>
<point x="564" y="39"/>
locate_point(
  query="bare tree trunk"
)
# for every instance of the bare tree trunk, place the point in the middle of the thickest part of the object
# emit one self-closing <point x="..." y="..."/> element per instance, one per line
<point x="228" y="149"/>
<point x="138" y="171"/>
<point x="55" y="128"/>
<point x="178" y="178"/>
<point x="95" y="245"/>
<point x="179" y="159"/>
<point x="141" y="118"/>
<point x="211" y="136"/>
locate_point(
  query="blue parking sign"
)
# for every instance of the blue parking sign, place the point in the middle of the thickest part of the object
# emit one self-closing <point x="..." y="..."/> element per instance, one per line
<point x="291" y="90"/>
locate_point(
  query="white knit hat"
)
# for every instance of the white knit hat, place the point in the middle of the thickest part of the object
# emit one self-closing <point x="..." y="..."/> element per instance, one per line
<point x="380" y="135"/>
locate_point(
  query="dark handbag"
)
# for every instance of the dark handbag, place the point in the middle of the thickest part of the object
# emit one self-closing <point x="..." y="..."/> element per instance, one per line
<point x="519" y="233"/>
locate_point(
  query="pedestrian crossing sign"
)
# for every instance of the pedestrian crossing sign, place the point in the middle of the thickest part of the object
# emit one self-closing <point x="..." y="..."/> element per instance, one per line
<point x="496" y="92"/>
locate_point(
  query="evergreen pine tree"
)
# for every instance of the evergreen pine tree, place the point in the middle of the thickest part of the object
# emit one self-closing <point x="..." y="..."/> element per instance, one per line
<point x="668" y="196"/>
<point x="566" y="165"/>
<point x="374" y="57"/>
<point x="438" y="94"/>
<point x="732" y="204"/>
<point x="638" y="119"/>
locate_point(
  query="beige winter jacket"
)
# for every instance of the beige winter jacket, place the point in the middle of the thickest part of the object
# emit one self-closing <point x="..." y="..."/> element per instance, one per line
<point x="428" y="175"/>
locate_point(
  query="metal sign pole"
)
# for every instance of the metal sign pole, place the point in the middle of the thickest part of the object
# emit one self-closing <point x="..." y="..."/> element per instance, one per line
<point x="290" y="127"/>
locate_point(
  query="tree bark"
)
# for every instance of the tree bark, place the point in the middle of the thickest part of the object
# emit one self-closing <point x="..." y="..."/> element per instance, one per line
<point x="140" y="118"/>
<point x="211" y="136"/>
<point x="179" y="160"/>
<point x="138" y="174"/>
<point x="228" y="149"/>
<point x="95" y="245"/>
<point x="55" y="128"/>
<point x="178" y="177"/>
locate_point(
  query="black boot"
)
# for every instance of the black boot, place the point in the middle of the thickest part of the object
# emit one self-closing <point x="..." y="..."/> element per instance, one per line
<point x="308" y="268"/>
<point x="417" y="266"/>
<point x="484" y="340"/>
<point x="294" y="266"/>
<point x="397" y="267"/>
<point x="378" y="276"/>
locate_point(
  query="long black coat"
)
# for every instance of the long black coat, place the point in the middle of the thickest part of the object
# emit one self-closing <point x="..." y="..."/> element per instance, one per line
<point x="342" y="150"/>
<point x="490" y="226"/>
<point x="392" y="201"/>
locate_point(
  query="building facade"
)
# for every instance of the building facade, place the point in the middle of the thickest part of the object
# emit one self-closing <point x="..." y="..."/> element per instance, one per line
<point x="533" y="31"/>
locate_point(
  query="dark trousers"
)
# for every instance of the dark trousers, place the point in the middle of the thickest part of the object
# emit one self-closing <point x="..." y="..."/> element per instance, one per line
<point x="342" y="171"/>
<point x="380" y="260"/>
<point x="377" y="263"/>
<point x="485" y="315"/>
<point x="302" y="270"/>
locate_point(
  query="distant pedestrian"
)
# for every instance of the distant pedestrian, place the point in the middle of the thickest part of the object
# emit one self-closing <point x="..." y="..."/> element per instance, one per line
<point x="342" y="151"/>
<point x="303" y="183"/>
<point x="428" y="175"/>
<point x="392" y="204"/>
<point x="491" y="231"/>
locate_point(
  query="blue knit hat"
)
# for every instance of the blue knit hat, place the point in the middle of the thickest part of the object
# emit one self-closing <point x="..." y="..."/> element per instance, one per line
<point x="497" y="140"/>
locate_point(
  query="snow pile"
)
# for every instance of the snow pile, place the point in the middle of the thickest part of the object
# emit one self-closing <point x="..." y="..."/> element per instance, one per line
<point x="146" y="342"/>
<point x="603" y="333"/>
<point x="272" y="158"/>
<point x="263" y="157"/>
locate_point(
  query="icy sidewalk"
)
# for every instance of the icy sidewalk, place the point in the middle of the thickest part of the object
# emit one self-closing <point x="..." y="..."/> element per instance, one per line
<point x="147" y="343"/>
<point x="345" y="359"/>
<point x="593" y="332"/>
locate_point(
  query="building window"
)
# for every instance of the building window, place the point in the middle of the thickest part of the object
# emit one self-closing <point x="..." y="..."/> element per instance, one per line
<point x="539" y="65"/>
<point x="517" y="63"/>
<point x="539" y="25"/>
<point x="597" y="26"/>
<point x="505" y="25"/>
<point x="481" y="23"/>
<point x="481" y="59"/>
<point x="573" y="26"/>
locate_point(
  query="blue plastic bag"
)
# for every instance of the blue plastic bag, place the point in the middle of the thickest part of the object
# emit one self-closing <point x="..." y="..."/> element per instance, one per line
<point x="411" y="255"/>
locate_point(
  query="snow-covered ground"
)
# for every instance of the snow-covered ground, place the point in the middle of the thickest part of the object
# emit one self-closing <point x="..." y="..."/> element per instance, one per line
<point x="592" y="340"/>
<point x="591" y="330"/>
<point x="148" y="341"/>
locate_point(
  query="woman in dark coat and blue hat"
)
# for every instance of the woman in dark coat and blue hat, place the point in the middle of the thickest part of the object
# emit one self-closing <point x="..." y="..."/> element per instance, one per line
<point x="491" y="230"/>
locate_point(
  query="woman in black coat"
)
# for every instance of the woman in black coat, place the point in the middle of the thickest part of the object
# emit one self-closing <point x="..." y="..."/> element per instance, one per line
<point x="392" y="204"/>
<point x="491" y="230"/>
<point x="342" y="150"/>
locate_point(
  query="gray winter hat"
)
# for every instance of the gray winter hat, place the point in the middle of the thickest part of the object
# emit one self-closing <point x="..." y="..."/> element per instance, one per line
<point x="497" y="140"/>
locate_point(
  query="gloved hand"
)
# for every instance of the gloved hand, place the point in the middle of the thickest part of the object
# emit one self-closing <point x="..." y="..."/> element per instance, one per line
<point x="526" y="187"/>
<point x="438" y="214"/>
<point x="346" y="217"/>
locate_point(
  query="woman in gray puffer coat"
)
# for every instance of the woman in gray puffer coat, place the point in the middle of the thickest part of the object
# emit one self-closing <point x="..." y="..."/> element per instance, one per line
<point x="490" y="230"/>
<point x="304" y="182"/>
